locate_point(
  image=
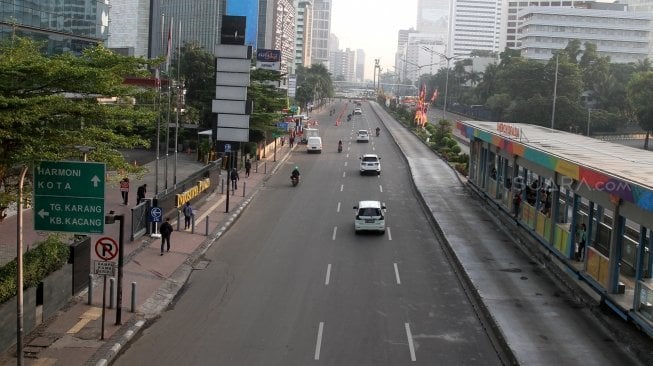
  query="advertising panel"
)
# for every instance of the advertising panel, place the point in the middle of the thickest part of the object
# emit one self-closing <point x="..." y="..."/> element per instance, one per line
<point x="248" y="9"/>
<point x="268" y="59"/>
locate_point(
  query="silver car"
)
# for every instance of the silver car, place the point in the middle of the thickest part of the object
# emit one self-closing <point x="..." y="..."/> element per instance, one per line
<point x="370" y="163"/>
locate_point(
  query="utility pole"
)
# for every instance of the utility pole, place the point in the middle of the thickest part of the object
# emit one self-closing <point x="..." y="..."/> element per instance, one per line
<point x="555" y="92"/>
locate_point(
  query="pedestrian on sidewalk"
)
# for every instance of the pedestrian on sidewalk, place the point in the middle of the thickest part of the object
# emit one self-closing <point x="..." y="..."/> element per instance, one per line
<point x="140" y="193"/>
<point x="248" y="167"/>
<point x="187" y="210"/>
<point x="124" y="190"/>
<point x="292" y="141"/>
<point x="516" y="202"/>
<point x="234" y="178"/>
<point x="166" y="232"/>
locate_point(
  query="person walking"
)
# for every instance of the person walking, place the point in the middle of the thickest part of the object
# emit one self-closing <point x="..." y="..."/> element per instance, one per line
<point x="166" y="232"/>
<point x="140" y="193"/>
<point x="248" y="167"/>
<point x="187" y="210"/>
<point x="124" y="190"/>
<point x="516" y="202"/>
<point x="582" y="235"/>
<point x="234" y="178"/>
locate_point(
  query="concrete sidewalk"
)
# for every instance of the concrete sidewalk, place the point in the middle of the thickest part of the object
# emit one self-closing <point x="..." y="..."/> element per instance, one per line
<point x="73" y="336"/>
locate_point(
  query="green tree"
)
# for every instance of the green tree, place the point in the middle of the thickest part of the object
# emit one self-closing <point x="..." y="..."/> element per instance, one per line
<point x="197" y="72"/>
<point x="313" y="84"/>
<point x="640" y="94"/>
<point x="499" y="104"/>
<point x="49" y="105"/>
<point x="269" y="102"/>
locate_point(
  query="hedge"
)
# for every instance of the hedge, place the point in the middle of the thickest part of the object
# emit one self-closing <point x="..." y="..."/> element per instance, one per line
<point x="46" y="257"/>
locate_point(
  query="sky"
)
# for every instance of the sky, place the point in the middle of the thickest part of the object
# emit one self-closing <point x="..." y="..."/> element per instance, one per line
<point x="372" y="25"/>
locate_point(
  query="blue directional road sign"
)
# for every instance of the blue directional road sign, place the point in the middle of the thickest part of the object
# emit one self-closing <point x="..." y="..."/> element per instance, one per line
<point x="69" y="197"/>
<point x="156" y="214"/>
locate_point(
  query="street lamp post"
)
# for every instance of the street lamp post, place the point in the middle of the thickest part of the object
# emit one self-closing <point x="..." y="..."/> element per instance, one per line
<point x="555" y="92"/>
<point x="446" y="83"/>
<point x="589" y="114"/>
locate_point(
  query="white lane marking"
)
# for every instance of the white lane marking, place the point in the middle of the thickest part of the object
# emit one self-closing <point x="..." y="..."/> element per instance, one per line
<point x="328" y="274"/>
<point x="335" y="230"/>
<point x="343" y="174"/>
<point x="341" y="187"/>
<point x="389" y="234"/>
<point x="338" y="209"/>
<point x="411" y="347"/>
<point x="397" y="274"/>
<point x="318" y="345"/>
<point x="381" y="188"/>
<point x="345" y="163"/>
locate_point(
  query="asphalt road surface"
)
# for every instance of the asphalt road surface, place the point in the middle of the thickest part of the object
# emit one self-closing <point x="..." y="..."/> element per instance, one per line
<point x="292" y="284"/>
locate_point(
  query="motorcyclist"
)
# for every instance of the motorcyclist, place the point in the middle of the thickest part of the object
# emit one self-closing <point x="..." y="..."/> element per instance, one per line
<point x="339" y="145"/>
<point x="378" y="130"/>
<point x="295" y="173"/>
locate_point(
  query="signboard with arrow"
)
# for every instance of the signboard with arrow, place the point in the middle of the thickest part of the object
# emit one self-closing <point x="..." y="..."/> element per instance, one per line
<point x="69" y="197"/>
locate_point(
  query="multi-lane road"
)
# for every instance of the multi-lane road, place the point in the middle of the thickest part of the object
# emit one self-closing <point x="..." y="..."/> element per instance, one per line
<point x="292" y="284"/>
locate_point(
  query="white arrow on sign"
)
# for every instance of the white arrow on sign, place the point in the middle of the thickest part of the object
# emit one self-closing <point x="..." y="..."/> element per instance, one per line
<point x="43" y="213"/>
<point x="95" y="180"/>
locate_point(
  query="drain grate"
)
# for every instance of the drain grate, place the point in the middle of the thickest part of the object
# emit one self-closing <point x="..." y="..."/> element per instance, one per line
<point x="201" y="265"/>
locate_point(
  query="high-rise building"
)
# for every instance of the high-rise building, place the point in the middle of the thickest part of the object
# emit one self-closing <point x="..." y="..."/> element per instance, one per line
<point x="400" y="55"/>
<point x="343" y="65"/>
<point x="433" y="17"/>
<point x="622" y="35"/>
<point x="199" y="20"/>
<point x="303" y="32"/>
<point x="510" y="23"/>
<point x="283" y="34"/>
<point x="129" y="27"/>
<point x="417" y="60"/>
<point x="69" y="26"/>
<point x="476" y="25"/>
<point x="360" y="65"/>
<point x="321" y="32"/>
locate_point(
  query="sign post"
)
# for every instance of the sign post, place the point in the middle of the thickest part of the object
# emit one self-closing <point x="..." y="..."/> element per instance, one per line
<point x="106" y="248"/>
<point x="69" y="197"/>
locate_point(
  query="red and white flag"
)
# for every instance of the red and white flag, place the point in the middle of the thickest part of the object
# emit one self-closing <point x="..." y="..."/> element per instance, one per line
<point x="169" y="48"/>
<point x="435" y="96"/>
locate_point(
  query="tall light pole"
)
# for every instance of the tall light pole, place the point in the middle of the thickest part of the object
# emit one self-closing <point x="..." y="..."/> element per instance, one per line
<point x="589" y="114"/>
<point x="446" y="83"/>
<point x="555" y="92"/>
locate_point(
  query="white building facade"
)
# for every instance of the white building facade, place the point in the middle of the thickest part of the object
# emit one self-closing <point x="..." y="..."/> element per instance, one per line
<point x="129" y="27"/>
<point x="623" y="36"/>
<point x="321" y="32"/>
<point x="303" y="32"/>
<point x="476" y="25"/>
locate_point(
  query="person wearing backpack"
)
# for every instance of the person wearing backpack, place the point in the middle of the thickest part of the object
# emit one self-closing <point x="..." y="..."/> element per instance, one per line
<point x="187" y="210"/>
<point x="234" y="178"/>
<point x="166" y="232"/>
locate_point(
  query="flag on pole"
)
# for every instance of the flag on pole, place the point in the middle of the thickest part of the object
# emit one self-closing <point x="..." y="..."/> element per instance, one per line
<point x="169" y="48"/>
<point x="435" y="96"/>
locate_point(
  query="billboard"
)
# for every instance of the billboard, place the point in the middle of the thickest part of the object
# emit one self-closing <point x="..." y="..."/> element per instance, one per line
<point x="268" y="59"/>
<point x="248" y="9"/>
<point x="232" y="30"/>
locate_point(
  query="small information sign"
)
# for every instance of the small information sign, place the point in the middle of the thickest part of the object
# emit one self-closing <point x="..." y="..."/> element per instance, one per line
<point x="104" y="268"/>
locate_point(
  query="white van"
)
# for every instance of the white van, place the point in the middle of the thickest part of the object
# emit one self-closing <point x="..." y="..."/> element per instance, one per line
<point x="314" y="144"/>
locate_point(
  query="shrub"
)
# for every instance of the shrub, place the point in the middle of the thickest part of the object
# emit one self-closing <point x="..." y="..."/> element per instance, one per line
<point x="47" y="257"/>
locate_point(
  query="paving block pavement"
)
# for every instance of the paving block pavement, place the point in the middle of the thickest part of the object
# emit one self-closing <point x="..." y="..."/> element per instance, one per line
<point x="74" y="335"/>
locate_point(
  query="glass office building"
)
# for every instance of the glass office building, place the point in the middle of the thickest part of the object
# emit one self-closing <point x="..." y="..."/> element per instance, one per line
<point x="64" y="25"/>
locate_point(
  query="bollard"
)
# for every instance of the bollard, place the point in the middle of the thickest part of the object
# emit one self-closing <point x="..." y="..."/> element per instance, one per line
<point x="192" y="224"/>
<point x="265" y="168"/>
<point x="90" y="289"/>
<point x="133" y="297"/>
<point x="256" y="168"/>
<point x="207" y="225"/>
<point x="222" y="186"/>
<point x="178" y="219"/>
<point x="111" y="297"/>
<point x="244" y="188"/>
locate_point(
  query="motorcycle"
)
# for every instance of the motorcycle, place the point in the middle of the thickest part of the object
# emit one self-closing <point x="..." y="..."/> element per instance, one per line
<point x="294" y="179"/>
<point x="378" y="131"/>
<point x="339" y="148"/>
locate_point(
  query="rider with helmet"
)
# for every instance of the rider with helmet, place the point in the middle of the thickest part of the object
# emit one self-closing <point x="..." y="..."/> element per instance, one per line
<point x="295" y="173"/>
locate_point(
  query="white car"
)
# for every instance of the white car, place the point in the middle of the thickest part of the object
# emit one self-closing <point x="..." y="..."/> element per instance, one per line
<point x="362" y="136"/>
<point x="370" y="163"/>
<point x="314" y="145"/>
<point x="358" y="111"/>
<point x="369" y="217"/>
